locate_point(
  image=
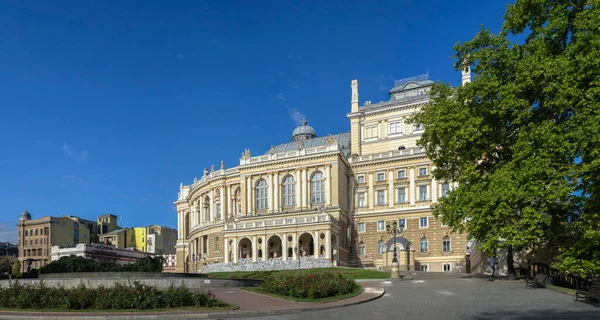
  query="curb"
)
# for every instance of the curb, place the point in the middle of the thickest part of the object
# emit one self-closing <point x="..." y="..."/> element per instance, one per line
<point x="204" y="315"/>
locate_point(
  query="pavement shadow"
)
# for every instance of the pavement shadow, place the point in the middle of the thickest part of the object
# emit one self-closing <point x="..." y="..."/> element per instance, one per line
<point x="540" y="314"/>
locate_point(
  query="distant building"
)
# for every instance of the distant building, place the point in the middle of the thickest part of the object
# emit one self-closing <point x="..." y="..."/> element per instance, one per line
<point x="170" y="263"/>
<point x="156" y="239"/>
<point x="8" y="249"/>
<point x="121" y="238"/>
<point x="99" y="252"/>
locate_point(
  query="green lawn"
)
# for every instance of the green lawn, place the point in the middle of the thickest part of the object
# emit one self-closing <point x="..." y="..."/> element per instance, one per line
<point x="356" y="292"/>
<point x="353" y="273"/>
<point x="561" y="289"/>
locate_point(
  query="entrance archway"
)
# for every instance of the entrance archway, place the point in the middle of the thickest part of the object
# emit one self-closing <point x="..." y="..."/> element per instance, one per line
<point x="306" y="245"/>
<point x="245" y="248"/>
<point x="274" y="247"/>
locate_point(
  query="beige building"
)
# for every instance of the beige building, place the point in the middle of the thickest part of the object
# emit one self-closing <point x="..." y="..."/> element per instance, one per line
<point x="327" y="198"/>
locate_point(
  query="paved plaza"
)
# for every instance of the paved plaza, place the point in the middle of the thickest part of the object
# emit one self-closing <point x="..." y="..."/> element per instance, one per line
<point x="455" y="298"/>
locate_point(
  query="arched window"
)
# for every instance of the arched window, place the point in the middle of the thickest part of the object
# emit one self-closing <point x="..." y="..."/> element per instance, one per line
<point x="238" y="202"/>
<point x="424" y="245"/>
<point x="381" y="247"/>
<point x="206" y="207"/>
<point x="289" y="187"/>
<point x="317" y="187"/>
<point x="446" y="247"/>
<point x="261" y="194"/>
<point x="362" y="250"/>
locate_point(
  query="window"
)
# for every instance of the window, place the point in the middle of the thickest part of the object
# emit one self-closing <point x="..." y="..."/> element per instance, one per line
<point x="381" y="247"/>
<point x="36" y="241"/>
<point x="371" y="132"/>
<point x="238" y="201"/>
<point x="39" y="252"/>
<point x="423" y="171"/>
<point x="380" y="225"/>
<point x="26" y="233"/>
<point x="447" y="267"/>
<point x="381" y="176"/>
<point x="401" y="195"/>
<point x="396" y="127"/>
<point x="361" y="227"/>
<point x="401" y="174"/>
<point x="36" y="232"/>
<point x="446" y="244"/>
<point x="289" y="185"/>
<point x="445" y="189"/>
<point x="317" y="188"/>
<point x="380" y="197"/>
<point x="261" y="194"/>
<point x="360" y="179"/>
<point x="422" y="193"/>
<point x="424" y="245"/>
<point x="423" y="222"/>
<point x="425" y="267"/>
<point x="218" y="211"/>
<point x="362" y="250"/>
<point x="402" y="222"/>
<point x="217" y="243"/>
<point x="362" y="199"/>
<point x="206" y="208"/>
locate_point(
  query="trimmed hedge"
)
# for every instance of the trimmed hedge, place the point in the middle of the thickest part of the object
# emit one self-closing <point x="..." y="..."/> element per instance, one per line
<point x="74" y="263"/>
<point x="131" y="296"/>
<point x="312" y="286"/>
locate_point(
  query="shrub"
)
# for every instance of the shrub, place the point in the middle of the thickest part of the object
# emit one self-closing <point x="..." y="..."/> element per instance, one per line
<point x="135" y="295"/>
<point x="312" y="286"/>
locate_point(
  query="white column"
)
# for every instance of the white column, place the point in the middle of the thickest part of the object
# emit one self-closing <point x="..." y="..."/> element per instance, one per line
<point x="433" y="190"/>
<point x="298" y="190"/>
<point x="316" y="245"/>
<point x="235" y="250"/>
<point x="228" y="200"/>
<point x="254" y="248"/>
<point x="294" y="245"/>
<point x="370" y="192"/>
<point x="264" y="249"/>
<point x="328" y="184"/>
<point x="179" y="225"/>
<point x="249" y="195"/>
<point x="284" y="247"/>
<point x="411" y="186"/>
<point x="270" y="193"/>
<point x="390" y="195"/>
<point x="226" y="249"/>
<point x="276" y="205"/>
<point x="328" y="245"/>
<point x="212" y="205"/>
<point x="305" y="190"/>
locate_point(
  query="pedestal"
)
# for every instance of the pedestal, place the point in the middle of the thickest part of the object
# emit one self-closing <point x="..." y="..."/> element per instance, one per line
<point x="395" y="270"/>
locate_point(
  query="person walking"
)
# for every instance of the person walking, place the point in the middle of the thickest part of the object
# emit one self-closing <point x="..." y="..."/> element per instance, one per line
<point x="493" y="265"/>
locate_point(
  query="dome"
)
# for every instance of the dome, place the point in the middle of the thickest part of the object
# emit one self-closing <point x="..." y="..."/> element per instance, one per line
<point x="303" y="132"/>
<point x="25" y="215"/>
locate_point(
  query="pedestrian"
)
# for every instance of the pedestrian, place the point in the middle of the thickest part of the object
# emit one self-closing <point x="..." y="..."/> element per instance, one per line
<point x="493" y="265"/>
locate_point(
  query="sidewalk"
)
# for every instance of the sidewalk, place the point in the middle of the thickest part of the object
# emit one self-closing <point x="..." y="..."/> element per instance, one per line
<point x="250" y="304"/>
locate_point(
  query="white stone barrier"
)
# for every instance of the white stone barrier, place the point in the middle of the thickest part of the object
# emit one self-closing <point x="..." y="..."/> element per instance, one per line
<point x="268" y="265"/>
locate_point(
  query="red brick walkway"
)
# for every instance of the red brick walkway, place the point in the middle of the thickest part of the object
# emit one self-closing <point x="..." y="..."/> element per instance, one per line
<point x="250" y="301"/>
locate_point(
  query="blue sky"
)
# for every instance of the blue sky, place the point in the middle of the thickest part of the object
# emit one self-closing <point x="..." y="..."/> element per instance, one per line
<point x="106" y="106"/>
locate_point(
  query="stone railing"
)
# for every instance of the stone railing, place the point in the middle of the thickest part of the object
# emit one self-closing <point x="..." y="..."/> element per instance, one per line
<point x="271" y="264"/>
<point x="282" y="222"/>
<point x="288" y="154"/>
<point x="388" y="155"/>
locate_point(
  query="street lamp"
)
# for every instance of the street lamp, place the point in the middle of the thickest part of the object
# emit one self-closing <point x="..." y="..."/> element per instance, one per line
<point x="395" y="230"/>
<point x="297" y="257"/>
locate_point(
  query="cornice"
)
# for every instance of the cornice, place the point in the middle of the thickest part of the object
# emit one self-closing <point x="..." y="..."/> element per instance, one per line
<point x="384" y="110"/>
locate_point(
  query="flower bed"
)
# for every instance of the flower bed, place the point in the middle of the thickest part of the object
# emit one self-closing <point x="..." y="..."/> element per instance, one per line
<point x="311" y="286"/>
<point x="132" y="296"/>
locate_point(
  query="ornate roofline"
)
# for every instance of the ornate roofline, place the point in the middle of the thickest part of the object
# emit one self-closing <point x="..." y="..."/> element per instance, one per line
<point x="382" y="110"/>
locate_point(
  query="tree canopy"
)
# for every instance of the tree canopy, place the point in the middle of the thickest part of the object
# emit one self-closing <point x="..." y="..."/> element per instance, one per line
<point x="523" y="138"/>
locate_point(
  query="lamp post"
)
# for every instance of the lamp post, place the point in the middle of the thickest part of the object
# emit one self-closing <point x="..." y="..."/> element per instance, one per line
<point x="297" y="257"/>
<point x="395" y="230"/>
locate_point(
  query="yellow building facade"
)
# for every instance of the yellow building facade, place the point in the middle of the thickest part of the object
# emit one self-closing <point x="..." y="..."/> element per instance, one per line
<point x="328" y="198"/>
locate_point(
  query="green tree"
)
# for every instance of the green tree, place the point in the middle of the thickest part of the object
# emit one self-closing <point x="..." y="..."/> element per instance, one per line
<point x="523" y="139"/>
<point x="7" y="265"/>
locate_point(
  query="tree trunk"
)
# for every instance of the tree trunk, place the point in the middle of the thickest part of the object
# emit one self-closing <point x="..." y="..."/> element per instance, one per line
<point x="510" y="262"/>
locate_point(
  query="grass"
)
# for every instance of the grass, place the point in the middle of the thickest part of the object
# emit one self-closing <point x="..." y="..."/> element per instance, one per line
<point x="352" y="273"/>
<point x="354" y="293"/>
<point x="223" y="307"/>
<point x="561" y="289"/>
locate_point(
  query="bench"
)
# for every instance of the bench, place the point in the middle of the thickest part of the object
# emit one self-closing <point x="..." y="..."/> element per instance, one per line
<point x="539" y="280"/>
<point x="593" y="292"/>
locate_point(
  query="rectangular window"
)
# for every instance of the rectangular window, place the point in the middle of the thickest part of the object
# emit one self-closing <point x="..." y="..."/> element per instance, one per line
<point x="445" y="189"/>
<point x="217" y="243"/>
<point x="422" y="193"/>
<point x="360" y="179"/>
<point x="362" y="199"/>
<point x="446" y="245"/>
<point x="423" y="171"/>
<point x="401" y="195"/>
<point x="425" y="267"/>
<point x="401" y="174"/>
<point x="371" y="132"/>
<point x="381" y="176"/>
<point x="362" y="250"/>
<point x="361" y="227"/>
<point x="218" y="211"/>
<point x="380" y="197"/>
<point x="395" y="127"/>
<point x="423" y="222"/>
<point x="381" y="225"/>
<point x="447" y="267"/>
<point x="402" y="222"/>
